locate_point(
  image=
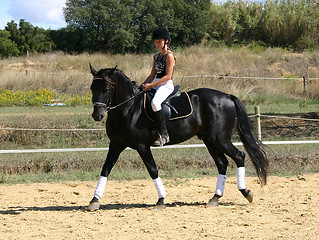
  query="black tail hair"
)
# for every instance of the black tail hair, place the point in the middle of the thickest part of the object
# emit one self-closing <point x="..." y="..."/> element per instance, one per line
<point x="253" y="146"/>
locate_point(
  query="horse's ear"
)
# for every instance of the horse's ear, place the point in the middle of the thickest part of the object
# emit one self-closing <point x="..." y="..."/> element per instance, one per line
<point x="93" y="71"/>
<point x="112" y="71"/>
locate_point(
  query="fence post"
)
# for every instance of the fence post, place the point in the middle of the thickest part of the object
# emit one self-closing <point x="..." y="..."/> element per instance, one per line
<point x="304" y="84"/>
<point x="258" y="125"/>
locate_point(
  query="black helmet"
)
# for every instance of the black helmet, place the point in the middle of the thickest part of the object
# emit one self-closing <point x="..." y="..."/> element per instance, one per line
<point x="161" y="33"/>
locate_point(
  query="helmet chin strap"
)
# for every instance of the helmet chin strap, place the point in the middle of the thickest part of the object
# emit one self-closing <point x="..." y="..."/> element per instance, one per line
<point x="166" y="43"/>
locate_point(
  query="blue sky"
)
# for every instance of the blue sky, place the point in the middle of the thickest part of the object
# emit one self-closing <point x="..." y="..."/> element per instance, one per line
<point x="41" y="13"/>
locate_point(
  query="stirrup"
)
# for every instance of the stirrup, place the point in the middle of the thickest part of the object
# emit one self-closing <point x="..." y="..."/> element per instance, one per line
<point x="161" y="140"/>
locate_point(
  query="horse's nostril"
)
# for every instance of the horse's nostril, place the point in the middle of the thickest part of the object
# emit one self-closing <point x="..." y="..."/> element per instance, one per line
<point x="97" y="117"/>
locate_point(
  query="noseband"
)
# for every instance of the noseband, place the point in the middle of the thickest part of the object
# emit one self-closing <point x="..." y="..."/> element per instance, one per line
<point x="99" y="104"/>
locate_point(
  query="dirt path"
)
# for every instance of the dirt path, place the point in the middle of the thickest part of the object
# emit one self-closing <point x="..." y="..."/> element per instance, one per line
<point x="287" y="208"/>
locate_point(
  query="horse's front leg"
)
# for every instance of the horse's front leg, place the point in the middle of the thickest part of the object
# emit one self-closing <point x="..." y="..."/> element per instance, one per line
<point x="147" y="157"/>
<point x="112" y="156"/>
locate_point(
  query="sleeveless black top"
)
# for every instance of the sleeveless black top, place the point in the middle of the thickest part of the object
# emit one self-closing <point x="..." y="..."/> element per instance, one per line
<point x="160" y="65"/>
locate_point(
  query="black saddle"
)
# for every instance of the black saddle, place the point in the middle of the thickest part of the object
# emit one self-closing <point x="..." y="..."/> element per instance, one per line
<point x="176" y="106"/>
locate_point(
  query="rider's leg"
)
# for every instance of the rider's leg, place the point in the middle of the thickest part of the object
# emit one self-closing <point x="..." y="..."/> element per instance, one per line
<point x="160" y="126"/>
<point x="161" y="94"/>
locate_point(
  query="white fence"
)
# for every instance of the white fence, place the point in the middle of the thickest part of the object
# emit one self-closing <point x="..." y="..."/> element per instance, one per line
<point x="164" y="147"/>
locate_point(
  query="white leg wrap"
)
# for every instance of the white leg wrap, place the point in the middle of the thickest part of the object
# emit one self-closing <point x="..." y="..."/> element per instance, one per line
<point x="220" y="185"/>
<point x="100" y="187"/>
<point x="160" y="187"/>
<point x="241" y="178"/>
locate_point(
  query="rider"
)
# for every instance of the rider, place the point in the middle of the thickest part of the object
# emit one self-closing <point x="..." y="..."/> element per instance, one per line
<point x="162" y="72"/>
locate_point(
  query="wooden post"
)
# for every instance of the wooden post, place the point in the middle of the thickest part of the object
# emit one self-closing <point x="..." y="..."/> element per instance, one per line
<point x="304" y="84"/>
<point x="258" y="125"/>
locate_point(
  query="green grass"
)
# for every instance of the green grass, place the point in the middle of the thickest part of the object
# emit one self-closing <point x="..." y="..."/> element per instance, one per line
<point x="52" y="167"/>
<point x="290" y="160"/>
<point x="294" y="106"/>
<point x="46" y="110"/>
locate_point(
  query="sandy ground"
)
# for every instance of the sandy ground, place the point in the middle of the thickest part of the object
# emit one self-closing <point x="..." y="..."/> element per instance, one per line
<point x="287" y="208"/>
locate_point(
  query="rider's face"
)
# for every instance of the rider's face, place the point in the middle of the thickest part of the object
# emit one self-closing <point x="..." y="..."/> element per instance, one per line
<point x="159" y="43"/>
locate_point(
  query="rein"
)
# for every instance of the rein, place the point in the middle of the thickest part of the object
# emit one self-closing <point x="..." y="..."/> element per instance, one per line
<point x="120" y="104"/>
<point x="104" y="105"/>
<point x="108" y="108"/>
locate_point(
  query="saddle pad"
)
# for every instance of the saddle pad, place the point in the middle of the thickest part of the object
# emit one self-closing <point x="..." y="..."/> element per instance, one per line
<point x="175" y="108"/>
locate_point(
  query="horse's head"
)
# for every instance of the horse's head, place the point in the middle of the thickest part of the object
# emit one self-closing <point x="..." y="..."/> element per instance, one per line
<point x="102" y="89"/>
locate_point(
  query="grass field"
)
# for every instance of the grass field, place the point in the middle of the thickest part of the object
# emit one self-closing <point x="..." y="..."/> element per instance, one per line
<point x="38" y="167"/>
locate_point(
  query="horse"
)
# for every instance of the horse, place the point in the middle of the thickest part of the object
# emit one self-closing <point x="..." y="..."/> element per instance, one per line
<point x="212" y="120"/>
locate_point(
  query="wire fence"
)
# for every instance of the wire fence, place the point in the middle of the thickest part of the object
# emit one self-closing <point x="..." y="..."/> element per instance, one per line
<point x="103" y="129"/>
<point x="243" y="77"/>
<point x="257" y="116"/>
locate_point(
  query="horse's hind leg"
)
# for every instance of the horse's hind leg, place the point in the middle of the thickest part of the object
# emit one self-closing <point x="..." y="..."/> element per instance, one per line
<point x="221" y="163"/>
<point x="239" y="157"/>
<point x="147" y="157"/>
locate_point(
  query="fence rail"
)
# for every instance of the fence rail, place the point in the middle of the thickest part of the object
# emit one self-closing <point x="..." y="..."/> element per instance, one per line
<point x="164" y="147"/>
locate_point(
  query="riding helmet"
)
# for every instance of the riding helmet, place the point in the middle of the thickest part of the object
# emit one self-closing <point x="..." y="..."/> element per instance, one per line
<point x="161" y="33"/>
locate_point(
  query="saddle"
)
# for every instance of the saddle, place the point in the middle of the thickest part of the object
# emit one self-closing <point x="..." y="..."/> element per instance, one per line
<point x="176" y="106"/>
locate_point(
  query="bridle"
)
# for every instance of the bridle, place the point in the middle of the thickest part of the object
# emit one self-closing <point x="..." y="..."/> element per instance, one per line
<point x="108" y="107"/>
<point x="106" y="79"/>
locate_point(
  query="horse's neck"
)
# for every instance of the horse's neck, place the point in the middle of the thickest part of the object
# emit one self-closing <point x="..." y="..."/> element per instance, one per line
<point x="123" y="92"/>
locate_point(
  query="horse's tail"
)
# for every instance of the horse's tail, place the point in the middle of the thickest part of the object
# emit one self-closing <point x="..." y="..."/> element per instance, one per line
<point x="253" y="146"/>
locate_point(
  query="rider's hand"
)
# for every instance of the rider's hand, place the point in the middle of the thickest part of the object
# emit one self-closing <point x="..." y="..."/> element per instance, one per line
<point x="147" y="86"/>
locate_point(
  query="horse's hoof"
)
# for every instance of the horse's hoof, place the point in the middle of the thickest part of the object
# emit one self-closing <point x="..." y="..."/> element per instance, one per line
<point x="250" y="196"/>
<point x="94" y="205"/>
<point x="247" y="194"/>
<point x="159" y="206"/>
<point x="213" y="202"/>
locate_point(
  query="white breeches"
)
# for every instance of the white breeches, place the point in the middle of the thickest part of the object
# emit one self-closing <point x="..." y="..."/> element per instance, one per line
<point x="162" y="92"/>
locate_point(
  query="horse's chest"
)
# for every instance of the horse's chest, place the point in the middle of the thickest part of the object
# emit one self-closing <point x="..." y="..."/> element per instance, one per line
<point x="118" y="127"/>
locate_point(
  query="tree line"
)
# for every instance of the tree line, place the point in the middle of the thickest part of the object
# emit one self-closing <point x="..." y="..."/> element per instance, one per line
<point x="122" y="26"/>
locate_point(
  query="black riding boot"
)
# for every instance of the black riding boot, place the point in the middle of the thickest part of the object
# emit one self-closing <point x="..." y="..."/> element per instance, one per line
<point x="160" y="126"/>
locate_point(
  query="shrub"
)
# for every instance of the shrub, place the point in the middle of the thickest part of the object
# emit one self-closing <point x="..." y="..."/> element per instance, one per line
<point x="28" y="98"/>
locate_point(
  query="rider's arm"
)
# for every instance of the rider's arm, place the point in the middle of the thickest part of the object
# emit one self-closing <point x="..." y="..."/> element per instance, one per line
<point x="170" y="62"/>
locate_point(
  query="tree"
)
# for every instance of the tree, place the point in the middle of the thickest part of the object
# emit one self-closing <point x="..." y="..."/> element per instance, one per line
<point x="121" y="26"/>
<point x="29" y="38"/>
<point x="8" y="48"/>
<point x="191" y="21"/>
<point x="236" y="22"/>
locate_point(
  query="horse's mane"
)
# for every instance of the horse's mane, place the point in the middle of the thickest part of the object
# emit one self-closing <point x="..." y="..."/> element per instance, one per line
<point x="120" y="76"/>
<point x="131" y="84"/>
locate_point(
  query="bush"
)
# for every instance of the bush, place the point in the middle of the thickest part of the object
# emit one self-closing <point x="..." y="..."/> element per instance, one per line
<point x="79" y="100"/>
<point x="28" y="98"/>
<point x="39" y="98"/>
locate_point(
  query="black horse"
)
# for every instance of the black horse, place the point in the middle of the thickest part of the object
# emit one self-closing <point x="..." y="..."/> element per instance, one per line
<point x="212" y="120"/>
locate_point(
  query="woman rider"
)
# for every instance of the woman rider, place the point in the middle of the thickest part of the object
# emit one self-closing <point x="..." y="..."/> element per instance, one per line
<point x="162" y="72"/>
